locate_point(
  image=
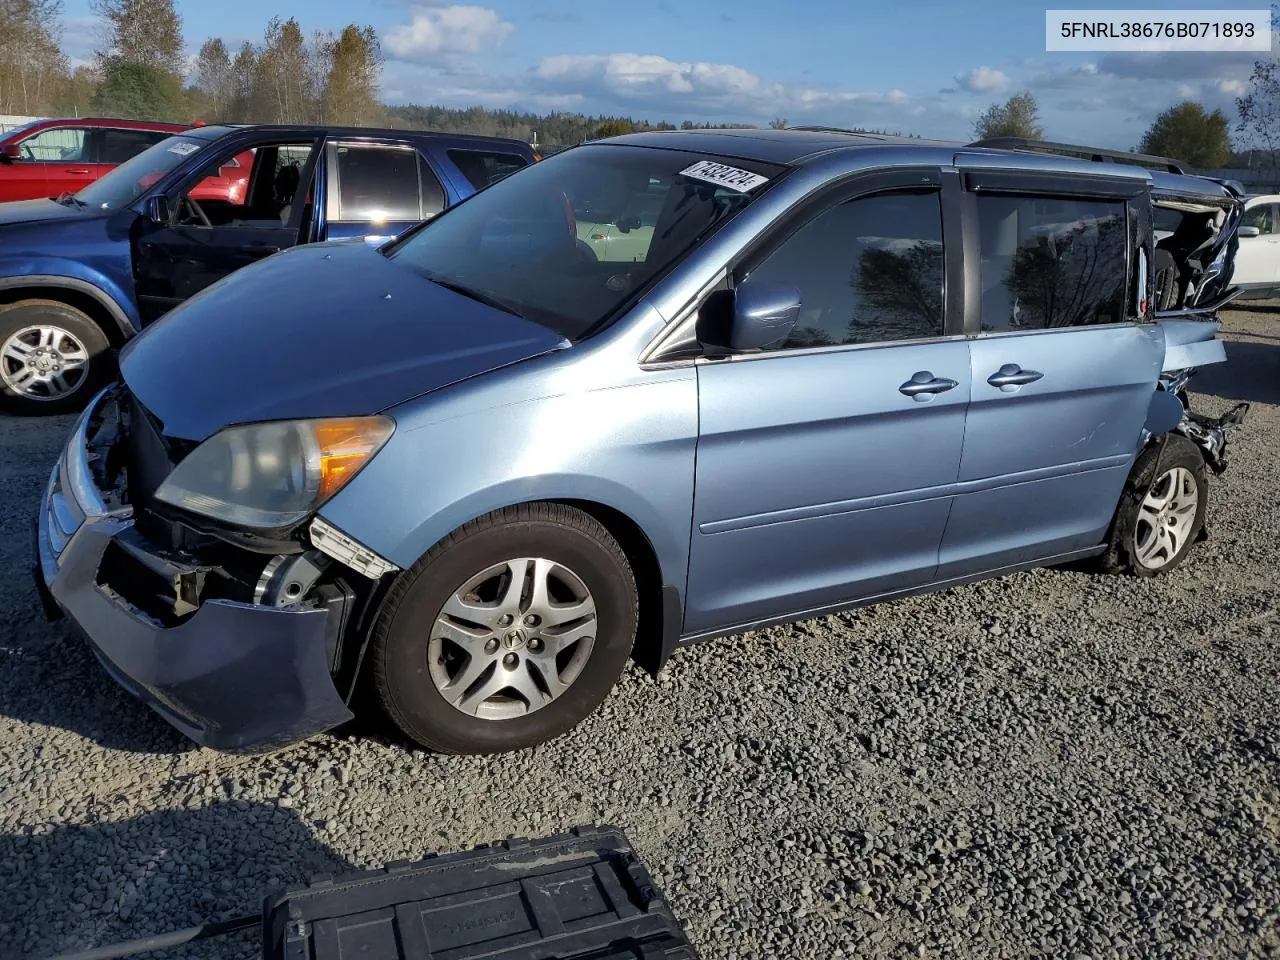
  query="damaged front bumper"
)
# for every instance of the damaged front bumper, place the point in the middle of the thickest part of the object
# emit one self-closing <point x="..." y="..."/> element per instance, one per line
<point x="231" y="675"/>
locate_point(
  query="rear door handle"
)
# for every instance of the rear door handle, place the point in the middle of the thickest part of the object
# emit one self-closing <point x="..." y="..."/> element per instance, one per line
<point x="924" y="385"/>
<point x="1011" y="376"/>
<point x="77" y="172"/>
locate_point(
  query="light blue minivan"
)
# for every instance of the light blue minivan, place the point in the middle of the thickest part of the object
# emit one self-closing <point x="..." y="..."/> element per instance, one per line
<point x="481" y="466"/>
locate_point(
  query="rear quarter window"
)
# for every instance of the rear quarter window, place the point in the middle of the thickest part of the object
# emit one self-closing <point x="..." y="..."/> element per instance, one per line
<point x="484" y="167"/>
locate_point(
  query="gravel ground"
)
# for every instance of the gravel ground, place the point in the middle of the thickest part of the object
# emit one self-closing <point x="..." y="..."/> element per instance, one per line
<point x="1052" y="764"/>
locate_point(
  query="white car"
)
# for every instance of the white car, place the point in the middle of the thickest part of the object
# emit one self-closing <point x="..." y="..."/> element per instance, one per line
<point x="1257" y="263"/>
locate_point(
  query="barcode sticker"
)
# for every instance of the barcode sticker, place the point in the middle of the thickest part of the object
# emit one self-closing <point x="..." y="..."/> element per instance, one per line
<point x="724" y="175"/>
<point x="184" y="149"/>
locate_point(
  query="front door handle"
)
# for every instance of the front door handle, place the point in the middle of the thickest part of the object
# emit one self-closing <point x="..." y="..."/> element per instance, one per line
<point x="1011" y="376"/>
<point x="77" y="172"/>
<point x="924" y="385"/>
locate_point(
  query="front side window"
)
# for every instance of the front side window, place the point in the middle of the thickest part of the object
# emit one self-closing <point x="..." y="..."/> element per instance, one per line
<point x="485" y="167"/>
<point x="869" y="271"/>
<point x="56" y="145"/>
<point x="1263" y="217"/>
<point x="118" y="145"/>
<point x="377" y="184"/>
<point x="265" y="196"/>
<point x="1048" y="262"/>
<point x="519" y="243"/>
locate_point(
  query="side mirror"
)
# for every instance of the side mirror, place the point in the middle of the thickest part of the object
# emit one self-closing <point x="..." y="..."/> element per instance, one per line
<point x="1248" y="232"/>
<point x="763" y="314"/>
<point x="11" y="152"/>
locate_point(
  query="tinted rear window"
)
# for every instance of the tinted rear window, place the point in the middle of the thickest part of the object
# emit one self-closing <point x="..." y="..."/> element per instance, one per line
<point x="378" y="183"/>
<point x="483" y="167"/>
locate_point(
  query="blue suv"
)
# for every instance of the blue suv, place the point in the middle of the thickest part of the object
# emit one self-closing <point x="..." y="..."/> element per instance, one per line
<point x="481" y="466"/>
<point x="82" y="273"/>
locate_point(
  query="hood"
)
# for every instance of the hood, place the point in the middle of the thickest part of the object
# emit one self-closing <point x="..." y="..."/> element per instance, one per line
<point x="322" y="330"/>
<point x="29" y="211"/>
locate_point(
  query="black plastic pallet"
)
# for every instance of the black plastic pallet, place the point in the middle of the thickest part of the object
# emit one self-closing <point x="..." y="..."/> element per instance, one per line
<point x="582" y="895"/>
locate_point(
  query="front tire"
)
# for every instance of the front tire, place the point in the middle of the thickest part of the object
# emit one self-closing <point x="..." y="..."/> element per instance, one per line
<point x="508" y="633"/>
<point x="52" y="357"/>
<point x="1161" y="511"/>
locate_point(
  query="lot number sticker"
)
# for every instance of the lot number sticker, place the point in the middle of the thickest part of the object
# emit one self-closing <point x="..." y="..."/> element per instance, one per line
<point x="724" y="175"/>
<point x="184" y="149"/>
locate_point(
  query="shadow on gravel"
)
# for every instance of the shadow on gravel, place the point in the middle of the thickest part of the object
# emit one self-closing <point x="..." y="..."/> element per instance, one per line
<point x="1252" y="373"/>
<point x="51" y="678"/>
<point x="68" y="888"/>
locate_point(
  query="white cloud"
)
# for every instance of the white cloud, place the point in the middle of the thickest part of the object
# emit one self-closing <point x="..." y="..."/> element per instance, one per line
<point x="436" y="31"/>
<point x="982" y="80"/>
<point x="81" y="37"/>
<point x="652" y="82"/>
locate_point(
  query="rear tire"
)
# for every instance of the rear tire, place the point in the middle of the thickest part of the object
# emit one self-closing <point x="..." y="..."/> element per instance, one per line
<point x="52" y="357"/>
<point x="1160" y="514"/>
<point x="508" y="633"/>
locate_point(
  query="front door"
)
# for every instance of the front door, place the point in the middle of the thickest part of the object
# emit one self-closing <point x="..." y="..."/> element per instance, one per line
<point x="1063" y="374"/>
<point x="824" y="468"/>
<point x="50" y="162"/>
<point x="204" y="240"/>
<point x="1257" y="261"/>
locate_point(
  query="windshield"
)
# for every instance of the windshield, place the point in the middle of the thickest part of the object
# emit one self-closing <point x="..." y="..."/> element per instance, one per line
<point x="17" y="130"/>
<point x="566" y="241"/>
<point x="121" y="186"/>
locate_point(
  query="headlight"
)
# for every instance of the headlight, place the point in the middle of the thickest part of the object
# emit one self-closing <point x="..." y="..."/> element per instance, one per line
<point x="270" y="475"/>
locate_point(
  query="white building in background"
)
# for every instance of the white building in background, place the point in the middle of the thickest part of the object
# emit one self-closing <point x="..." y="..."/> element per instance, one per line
<point x="7" y="123"/>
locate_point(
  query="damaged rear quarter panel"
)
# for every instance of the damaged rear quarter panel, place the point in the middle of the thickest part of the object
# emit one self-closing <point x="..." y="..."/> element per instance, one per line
<point x="1191" y="343"/>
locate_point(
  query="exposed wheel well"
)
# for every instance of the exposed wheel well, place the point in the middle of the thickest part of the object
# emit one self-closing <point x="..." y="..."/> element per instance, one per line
<point x="648" y="649"/>
<point x="644" y="564"/>
<point x="84" y="302"/>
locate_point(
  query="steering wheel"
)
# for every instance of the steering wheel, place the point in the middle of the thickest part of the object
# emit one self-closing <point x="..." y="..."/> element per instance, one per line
<point x="198" y="211"/>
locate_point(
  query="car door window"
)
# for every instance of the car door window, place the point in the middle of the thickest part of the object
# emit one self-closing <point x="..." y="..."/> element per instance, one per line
<point x="117" y="146"/>
<point x="56" y="145"/>
<point x="1263" y="217"/>
<point x="869" y="271"/>
<point x="483" y="167"/>
<point x="1049" y="262"/>
<point x="221" y="196"/>
<point x="384" y="184"/>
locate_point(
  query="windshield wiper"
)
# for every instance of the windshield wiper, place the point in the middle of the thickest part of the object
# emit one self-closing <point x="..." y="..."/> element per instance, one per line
<point x="476" y="295"/>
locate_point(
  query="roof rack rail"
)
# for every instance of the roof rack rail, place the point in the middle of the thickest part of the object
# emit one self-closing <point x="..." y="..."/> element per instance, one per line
<point x="1095" y="154"/>
<point x="852" y="133"/>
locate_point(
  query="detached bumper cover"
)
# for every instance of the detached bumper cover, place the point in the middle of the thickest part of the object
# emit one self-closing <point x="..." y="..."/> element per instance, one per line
<point x="232" y="676"/>
<point x="1210" y="433"/>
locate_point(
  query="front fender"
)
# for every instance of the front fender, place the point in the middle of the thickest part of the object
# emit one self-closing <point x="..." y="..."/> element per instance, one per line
<point x="18" y="273"/>
<point x="630" y="448"/>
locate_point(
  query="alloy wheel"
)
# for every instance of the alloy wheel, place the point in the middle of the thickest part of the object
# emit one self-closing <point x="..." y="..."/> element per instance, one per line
<point x="512" y="639"/>
<point x="43" y="363"/>
<point x="1165" y="518"/>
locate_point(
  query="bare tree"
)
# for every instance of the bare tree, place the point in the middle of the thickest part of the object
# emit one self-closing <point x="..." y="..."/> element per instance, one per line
<point x="31" y="64"/>
<point x="285" y="75"/>
<point x="244" y="79"/>
<point x="1259" y="110"/>
<point x="351" y="87"/>
<point x="147" y="32"/>
<point x="214" y="78"/>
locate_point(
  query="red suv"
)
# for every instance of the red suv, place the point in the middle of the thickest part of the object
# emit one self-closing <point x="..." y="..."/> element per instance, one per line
<point x="46" y="158"/>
